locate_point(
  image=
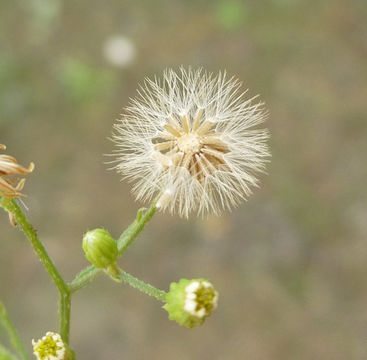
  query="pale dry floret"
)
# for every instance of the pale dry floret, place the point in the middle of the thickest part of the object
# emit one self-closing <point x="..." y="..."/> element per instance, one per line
<point x="10" y="184"/>
<point x="189" y="139"/>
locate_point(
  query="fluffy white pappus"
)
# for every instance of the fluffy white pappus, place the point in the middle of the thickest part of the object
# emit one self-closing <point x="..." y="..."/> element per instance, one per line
<point x="189" y="138"/>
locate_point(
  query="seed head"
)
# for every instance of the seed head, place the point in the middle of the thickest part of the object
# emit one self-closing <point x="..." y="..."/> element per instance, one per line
<point x="189" y="139"/>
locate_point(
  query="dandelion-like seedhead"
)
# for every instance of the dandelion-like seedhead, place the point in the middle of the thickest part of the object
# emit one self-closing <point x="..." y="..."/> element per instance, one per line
<point x="50" y="347"/>
<point x="189" y="139"/>
<point x="9" y="167"/>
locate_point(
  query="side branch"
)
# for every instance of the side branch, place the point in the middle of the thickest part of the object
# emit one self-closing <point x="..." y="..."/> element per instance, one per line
<point x="143" y="287"/>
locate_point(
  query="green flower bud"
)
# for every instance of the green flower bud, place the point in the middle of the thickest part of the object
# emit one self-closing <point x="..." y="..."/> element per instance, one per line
<point x="190" y="302"/>
<point x="100" y="249"/>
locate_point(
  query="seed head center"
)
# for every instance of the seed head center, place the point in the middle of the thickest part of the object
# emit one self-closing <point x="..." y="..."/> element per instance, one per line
<point x="189" y="143"/>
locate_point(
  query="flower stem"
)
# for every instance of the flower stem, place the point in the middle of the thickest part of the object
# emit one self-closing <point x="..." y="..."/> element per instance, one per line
<point x="64" y="315"/>
<point x="143" y="287"/>
<point x="12" y="207"/>
<point x="5" y="354"/>
<point x="85" y="277"/>
<point x="127" y="237"/>
<point x="13" y="335"/>
<point x="88" y="274"/>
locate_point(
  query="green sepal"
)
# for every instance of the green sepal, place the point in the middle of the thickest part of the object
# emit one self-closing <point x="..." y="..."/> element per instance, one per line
<point x="114" y="272"/>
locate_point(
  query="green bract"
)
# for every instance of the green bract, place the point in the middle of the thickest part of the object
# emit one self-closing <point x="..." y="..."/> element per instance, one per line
<point x="190" y="302"/>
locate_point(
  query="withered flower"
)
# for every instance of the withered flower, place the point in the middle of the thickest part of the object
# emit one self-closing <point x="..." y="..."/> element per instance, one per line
<point x="9" y="167"/>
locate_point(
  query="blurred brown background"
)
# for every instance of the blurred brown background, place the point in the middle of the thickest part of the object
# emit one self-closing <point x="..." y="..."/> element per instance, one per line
<point x="290" y="264"/>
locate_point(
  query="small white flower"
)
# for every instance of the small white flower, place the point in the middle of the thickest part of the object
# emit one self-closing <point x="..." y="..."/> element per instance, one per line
<point x="50" y="347"/>
<point x="200" y="298"/>
<point x="190" y="302"/>
<point x="189" y="138"/>
<point x="192" y="287"/>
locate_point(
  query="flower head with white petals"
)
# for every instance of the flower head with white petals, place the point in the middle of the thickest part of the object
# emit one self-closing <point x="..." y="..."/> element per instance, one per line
<point x="201" y="298"/>
<point x="50" y="347"/>
<point x="190" y="302"/>
<point x="189" y="139"/>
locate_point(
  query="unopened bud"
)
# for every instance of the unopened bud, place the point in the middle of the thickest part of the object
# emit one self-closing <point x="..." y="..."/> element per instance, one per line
<point x="100" y="249"/>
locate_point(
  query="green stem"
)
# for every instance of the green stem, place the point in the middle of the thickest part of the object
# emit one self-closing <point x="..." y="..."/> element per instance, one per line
<point x="13" y="335"/>
<point x="88" y="274"/>
<point x="85" y="277"/>
<point x="20" y="219"/>
<point x="11" y="206"/>
<point x="143" y="287"/>
<point x="5" y="354"/>
<point x="64" y="316"/>
<point x="127" y="237"/>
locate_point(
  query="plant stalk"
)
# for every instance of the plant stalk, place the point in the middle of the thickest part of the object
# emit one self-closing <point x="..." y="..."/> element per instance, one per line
<point x="12" y="207"/>
<point x="143" y="287"/>
<point x="12" y="332"/>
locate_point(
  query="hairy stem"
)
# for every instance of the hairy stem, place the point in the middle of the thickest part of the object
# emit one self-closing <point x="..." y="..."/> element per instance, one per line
<point x="85" y="277"/>
<point x="143" y="287"/>
<point x="127" y="237"/>
<point x="13" y="335"/>
<point x="64" y="316"/>
<point x="88" y="274"/>
<point x="12" y="207"/>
